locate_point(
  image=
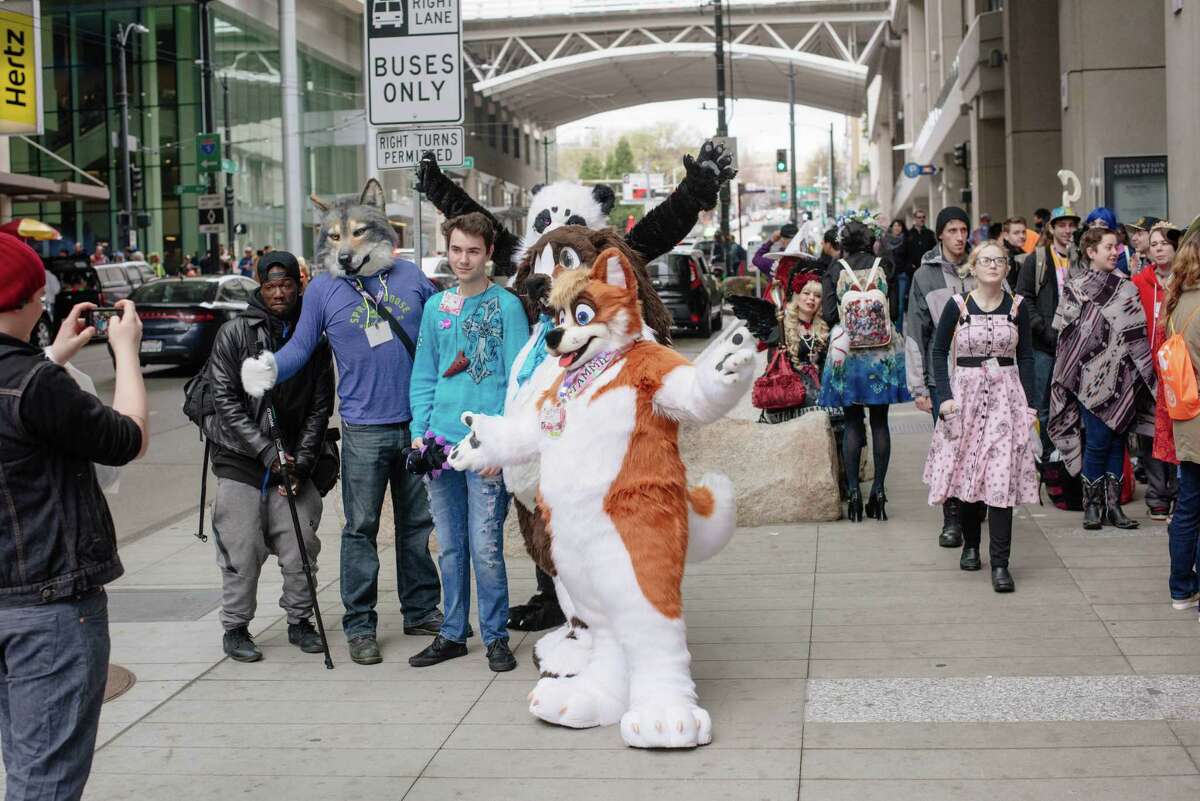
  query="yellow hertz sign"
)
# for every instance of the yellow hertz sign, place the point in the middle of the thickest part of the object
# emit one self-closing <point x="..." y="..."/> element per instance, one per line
<point x="20" y="95"/>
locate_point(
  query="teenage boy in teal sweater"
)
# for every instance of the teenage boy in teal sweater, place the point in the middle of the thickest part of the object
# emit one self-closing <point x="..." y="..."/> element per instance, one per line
<point x="470" y="337"/>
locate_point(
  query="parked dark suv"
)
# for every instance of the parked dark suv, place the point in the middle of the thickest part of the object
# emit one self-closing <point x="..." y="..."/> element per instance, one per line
<point x="689" y="290"/>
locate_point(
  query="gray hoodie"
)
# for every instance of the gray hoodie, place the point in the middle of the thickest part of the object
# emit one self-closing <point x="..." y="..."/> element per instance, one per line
<point x="934" y="283"/>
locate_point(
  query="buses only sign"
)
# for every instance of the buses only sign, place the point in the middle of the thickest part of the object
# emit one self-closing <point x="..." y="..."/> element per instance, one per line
<point x="414" y="61"/>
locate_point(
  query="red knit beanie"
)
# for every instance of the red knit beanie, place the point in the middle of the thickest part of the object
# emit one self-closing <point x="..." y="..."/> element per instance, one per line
<point x="21" y="273"/>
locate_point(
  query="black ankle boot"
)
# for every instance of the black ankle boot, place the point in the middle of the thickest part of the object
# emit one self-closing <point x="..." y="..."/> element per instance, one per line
<point x="854" y="507"/>
<point x="1114" y="515"/>
<point x="1093" y="503"/>
<point x="970" y="558"/>
<point x="952" y="533"/>
<point x="1002" y="580"/>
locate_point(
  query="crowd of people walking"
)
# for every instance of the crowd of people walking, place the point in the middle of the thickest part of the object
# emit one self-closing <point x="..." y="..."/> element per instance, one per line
<point x="1033" y="349"/>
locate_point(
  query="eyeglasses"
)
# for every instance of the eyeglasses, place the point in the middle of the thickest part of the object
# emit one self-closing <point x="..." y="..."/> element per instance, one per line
<point x="991" y="261"/>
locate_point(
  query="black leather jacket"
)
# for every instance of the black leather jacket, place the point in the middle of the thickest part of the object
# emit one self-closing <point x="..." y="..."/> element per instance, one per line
<point x="303" y="403"/>
<point x="56" y="534"/>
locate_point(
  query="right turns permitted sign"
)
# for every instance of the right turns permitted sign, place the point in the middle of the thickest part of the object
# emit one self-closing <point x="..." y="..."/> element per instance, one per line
<point x="414" y="61"/>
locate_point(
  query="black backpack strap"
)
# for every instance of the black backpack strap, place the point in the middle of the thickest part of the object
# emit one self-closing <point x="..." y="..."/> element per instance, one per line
<point x="384" y="312"/>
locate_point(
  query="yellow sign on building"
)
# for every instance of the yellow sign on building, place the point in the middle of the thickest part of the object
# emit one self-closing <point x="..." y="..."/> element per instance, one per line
<point x="20" y="69"/>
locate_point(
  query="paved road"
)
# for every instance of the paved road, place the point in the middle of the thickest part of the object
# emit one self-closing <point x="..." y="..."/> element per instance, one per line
<point x="165" y="484"/>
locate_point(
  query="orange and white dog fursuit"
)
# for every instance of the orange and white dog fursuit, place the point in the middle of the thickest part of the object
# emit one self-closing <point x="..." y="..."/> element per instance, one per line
<point x="614" y="493"/>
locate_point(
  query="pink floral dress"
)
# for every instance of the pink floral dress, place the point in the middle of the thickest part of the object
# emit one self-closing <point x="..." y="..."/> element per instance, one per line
<point x="991" y="458"/>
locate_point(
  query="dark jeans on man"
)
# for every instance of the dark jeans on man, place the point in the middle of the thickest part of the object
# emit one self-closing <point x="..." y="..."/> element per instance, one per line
<point x="370" y="461"/>
<point x="1160" y="476"/>
<point x="1043" y="372"/>
<point x="53" y="666"/>
<point x="1183" y="534"/>
<point x="1103" y="448"/>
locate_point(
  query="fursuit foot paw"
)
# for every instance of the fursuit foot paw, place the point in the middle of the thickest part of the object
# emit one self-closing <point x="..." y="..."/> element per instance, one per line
<point x="666" y="726"/>
<point x="734" y="357"/>
<point x="563" y="653"/>
<point x="574" y="703"/>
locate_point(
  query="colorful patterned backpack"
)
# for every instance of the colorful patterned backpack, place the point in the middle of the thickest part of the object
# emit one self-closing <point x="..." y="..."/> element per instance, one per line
<point x="864" y="310"/>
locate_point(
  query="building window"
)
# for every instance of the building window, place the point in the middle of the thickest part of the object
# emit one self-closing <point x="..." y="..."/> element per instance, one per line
<point x="527" y="149"/>
<point x="517" y="143"/>
<point x="503" y="137"/>
<point x="491" y="128"/>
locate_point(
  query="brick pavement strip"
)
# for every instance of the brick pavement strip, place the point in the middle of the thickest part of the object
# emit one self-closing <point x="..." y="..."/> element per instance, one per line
<point x="839" y="661"/>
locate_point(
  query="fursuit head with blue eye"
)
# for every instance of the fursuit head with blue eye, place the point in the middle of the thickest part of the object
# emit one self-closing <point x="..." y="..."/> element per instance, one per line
<point x="356" y="238"/>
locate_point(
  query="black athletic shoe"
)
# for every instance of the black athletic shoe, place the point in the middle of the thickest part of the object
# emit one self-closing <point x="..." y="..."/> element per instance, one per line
<point x="432" y="627"/>
<point x="542" y="612"/>
<point x="365" y="650"/>
<point x="239" y="646"/>
<point x="438" y="651"/>
<point x="304" y="636"/>
<point x="500" y="657"/>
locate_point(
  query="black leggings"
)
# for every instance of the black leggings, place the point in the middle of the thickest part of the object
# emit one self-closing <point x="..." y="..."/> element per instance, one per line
<point x="999" y="529"/>
<point x="856" y="438"/>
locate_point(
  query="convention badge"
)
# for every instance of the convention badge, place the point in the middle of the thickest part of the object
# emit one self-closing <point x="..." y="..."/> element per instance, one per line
<point x="991" y="366"/>
<point x="552" y="419"/>
<point x="378" y="334"/>
<point x="452" y="302"/>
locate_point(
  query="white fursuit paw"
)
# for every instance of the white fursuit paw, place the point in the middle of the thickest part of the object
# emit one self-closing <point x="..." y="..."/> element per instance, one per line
<point x="666" y="726"/>
<point x="563" y="652"/>
<point x="259" y="374"/>
<point x="735" y="357"/>
<point x="468" y="454"/>
<point x="575" y="703"/>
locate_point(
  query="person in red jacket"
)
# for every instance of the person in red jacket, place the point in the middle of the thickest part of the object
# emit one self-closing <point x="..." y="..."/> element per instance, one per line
<point x="1152" y="286"/>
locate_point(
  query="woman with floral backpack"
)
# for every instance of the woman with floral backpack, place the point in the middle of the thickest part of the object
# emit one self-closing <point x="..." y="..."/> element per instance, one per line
<point x="1181" y="316"/>
<point x="864" y="370"/>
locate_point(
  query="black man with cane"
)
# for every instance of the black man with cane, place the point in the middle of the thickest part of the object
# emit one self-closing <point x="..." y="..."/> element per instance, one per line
<point x="266" y="454"/>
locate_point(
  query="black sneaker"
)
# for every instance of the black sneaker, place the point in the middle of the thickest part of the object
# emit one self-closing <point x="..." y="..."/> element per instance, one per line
<point x="305" y="637"/>
<point x="500" y="657"/>
<point x="365" y="650"/>
<point x="239" y="646"/>
<point x="432" y="627"/>
<point x="438" y="651"/>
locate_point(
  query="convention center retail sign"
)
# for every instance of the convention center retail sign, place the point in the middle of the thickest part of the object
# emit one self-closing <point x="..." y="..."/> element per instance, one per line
<point x="414" y="61"/>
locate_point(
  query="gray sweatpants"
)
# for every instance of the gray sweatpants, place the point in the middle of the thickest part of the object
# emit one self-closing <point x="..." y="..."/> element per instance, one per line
<point x="248" y="528"/>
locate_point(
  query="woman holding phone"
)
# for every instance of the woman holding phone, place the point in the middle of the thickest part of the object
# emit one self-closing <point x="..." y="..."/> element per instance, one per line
<point x="982" y="451"/>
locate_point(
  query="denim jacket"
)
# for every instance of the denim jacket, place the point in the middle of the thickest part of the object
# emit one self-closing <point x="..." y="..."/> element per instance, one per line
<point x="57" y="538"/>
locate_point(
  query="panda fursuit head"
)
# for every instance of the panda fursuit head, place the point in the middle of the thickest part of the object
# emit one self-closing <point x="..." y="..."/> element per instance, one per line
<point x="614" y="496"/>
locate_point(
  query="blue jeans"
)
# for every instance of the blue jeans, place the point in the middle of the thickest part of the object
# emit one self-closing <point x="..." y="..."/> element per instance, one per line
<point x="902" y="281"/>
<point x="53" y="665"/>
<point x="370" y="461"/>
<point x="1183" y="533"/>
<point x="1043" y="372"/>
<point x="1103" y="448"/>
<point x="469" y="512"/>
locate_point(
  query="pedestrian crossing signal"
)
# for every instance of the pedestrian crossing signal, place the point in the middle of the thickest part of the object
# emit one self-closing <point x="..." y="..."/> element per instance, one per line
<point x="781" y="160"/>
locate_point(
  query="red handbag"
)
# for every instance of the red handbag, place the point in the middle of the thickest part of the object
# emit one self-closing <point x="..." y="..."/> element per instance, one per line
<point x="780" y="387"/>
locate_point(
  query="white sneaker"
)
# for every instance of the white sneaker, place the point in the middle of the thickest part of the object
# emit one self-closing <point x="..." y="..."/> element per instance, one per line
<point x="1185" y="603"/>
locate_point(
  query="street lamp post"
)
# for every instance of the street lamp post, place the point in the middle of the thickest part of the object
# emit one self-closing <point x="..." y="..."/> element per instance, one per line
<point x="722" y="128"/>
<point x="792" y="136"/>
<point x="126" y="226"/>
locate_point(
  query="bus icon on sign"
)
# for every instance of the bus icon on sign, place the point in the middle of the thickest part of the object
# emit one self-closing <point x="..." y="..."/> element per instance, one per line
<point x="387" y="14"/>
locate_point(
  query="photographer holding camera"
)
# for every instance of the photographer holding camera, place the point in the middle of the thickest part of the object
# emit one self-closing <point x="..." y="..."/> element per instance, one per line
<point x="251" y="516"/>
<point x="58" y="547"/>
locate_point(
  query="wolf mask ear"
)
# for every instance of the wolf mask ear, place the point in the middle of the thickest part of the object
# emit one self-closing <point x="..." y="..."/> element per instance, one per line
<point x="612" y="269"/>
<point x="320" y="204"/>
<point x="603" y="194"/>
<point x="372" y="194"/>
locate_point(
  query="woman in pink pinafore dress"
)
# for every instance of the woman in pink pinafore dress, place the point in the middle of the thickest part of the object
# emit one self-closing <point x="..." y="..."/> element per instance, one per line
<point x="982" y="450"/>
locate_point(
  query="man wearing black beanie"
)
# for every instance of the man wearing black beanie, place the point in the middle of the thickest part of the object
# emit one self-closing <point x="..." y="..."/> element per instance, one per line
<point x="942" y="275"/>
<point x="251" y="517"/>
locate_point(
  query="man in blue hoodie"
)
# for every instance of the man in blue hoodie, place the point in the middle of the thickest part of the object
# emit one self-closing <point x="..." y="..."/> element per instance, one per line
<point x="470" y="337"/>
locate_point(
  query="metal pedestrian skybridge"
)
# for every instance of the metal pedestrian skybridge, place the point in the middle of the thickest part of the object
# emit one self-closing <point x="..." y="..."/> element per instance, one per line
<point x="555" y="61"/>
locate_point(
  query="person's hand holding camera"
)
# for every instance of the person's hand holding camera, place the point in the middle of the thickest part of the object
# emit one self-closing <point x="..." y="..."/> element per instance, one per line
<point x="73" y="334"/>
<point x="125" y="332"/>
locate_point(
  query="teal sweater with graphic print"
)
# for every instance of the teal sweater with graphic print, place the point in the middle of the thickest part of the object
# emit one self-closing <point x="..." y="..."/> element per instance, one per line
<point x="489" y="330"/>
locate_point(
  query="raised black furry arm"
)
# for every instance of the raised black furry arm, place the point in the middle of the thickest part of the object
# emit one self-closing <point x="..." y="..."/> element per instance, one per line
<point x="669" y="222"/>
<point x="450" y="199"/>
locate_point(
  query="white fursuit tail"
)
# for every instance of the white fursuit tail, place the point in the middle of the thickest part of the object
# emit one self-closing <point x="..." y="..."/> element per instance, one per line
<point x="707" y="536"/>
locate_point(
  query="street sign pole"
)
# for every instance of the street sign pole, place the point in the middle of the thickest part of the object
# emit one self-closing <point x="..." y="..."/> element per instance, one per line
<point x="792" y="134"/>
<point x="211" y="248"/>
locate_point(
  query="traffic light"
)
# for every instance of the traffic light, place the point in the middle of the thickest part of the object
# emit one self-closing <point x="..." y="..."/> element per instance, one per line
<point x="781" y="160"/>
<point x="961" y="155"/>
<point x="783" y="196"/>
<point x="135" y="178"/>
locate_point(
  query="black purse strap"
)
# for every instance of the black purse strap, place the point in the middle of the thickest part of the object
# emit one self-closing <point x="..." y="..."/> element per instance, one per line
<point x="386" y="313"/>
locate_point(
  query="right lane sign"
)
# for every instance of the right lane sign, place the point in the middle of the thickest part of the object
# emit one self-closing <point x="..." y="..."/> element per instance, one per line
<point x="414" y="61"/>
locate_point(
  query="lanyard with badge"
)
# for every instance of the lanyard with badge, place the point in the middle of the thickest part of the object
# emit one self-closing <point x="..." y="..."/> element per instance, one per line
<point x="452" y="304"/>
<point x="382" y="331"/>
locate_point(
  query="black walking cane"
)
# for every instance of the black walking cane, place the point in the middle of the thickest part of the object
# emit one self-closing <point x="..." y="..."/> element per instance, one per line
<point x="286" y="468"/>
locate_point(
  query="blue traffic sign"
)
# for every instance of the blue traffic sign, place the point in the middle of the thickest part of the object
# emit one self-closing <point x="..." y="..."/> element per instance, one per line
<point x="913" y="170"/>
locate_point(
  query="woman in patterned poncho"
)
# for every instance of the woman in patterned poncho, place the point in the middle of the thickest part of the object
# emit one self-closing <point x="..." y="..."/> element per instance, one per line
<point x="1103" y="385"/>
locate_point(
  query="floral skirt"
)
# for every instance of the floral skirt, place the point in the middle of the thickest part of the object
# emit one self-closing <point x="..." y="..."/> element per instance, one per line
<point x="867" y="377"/>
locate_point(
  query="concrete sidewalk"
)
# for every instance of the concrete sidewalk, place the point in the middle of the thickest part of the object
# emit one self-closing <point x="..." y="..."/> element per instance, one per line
<point x="839" y="661"/>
